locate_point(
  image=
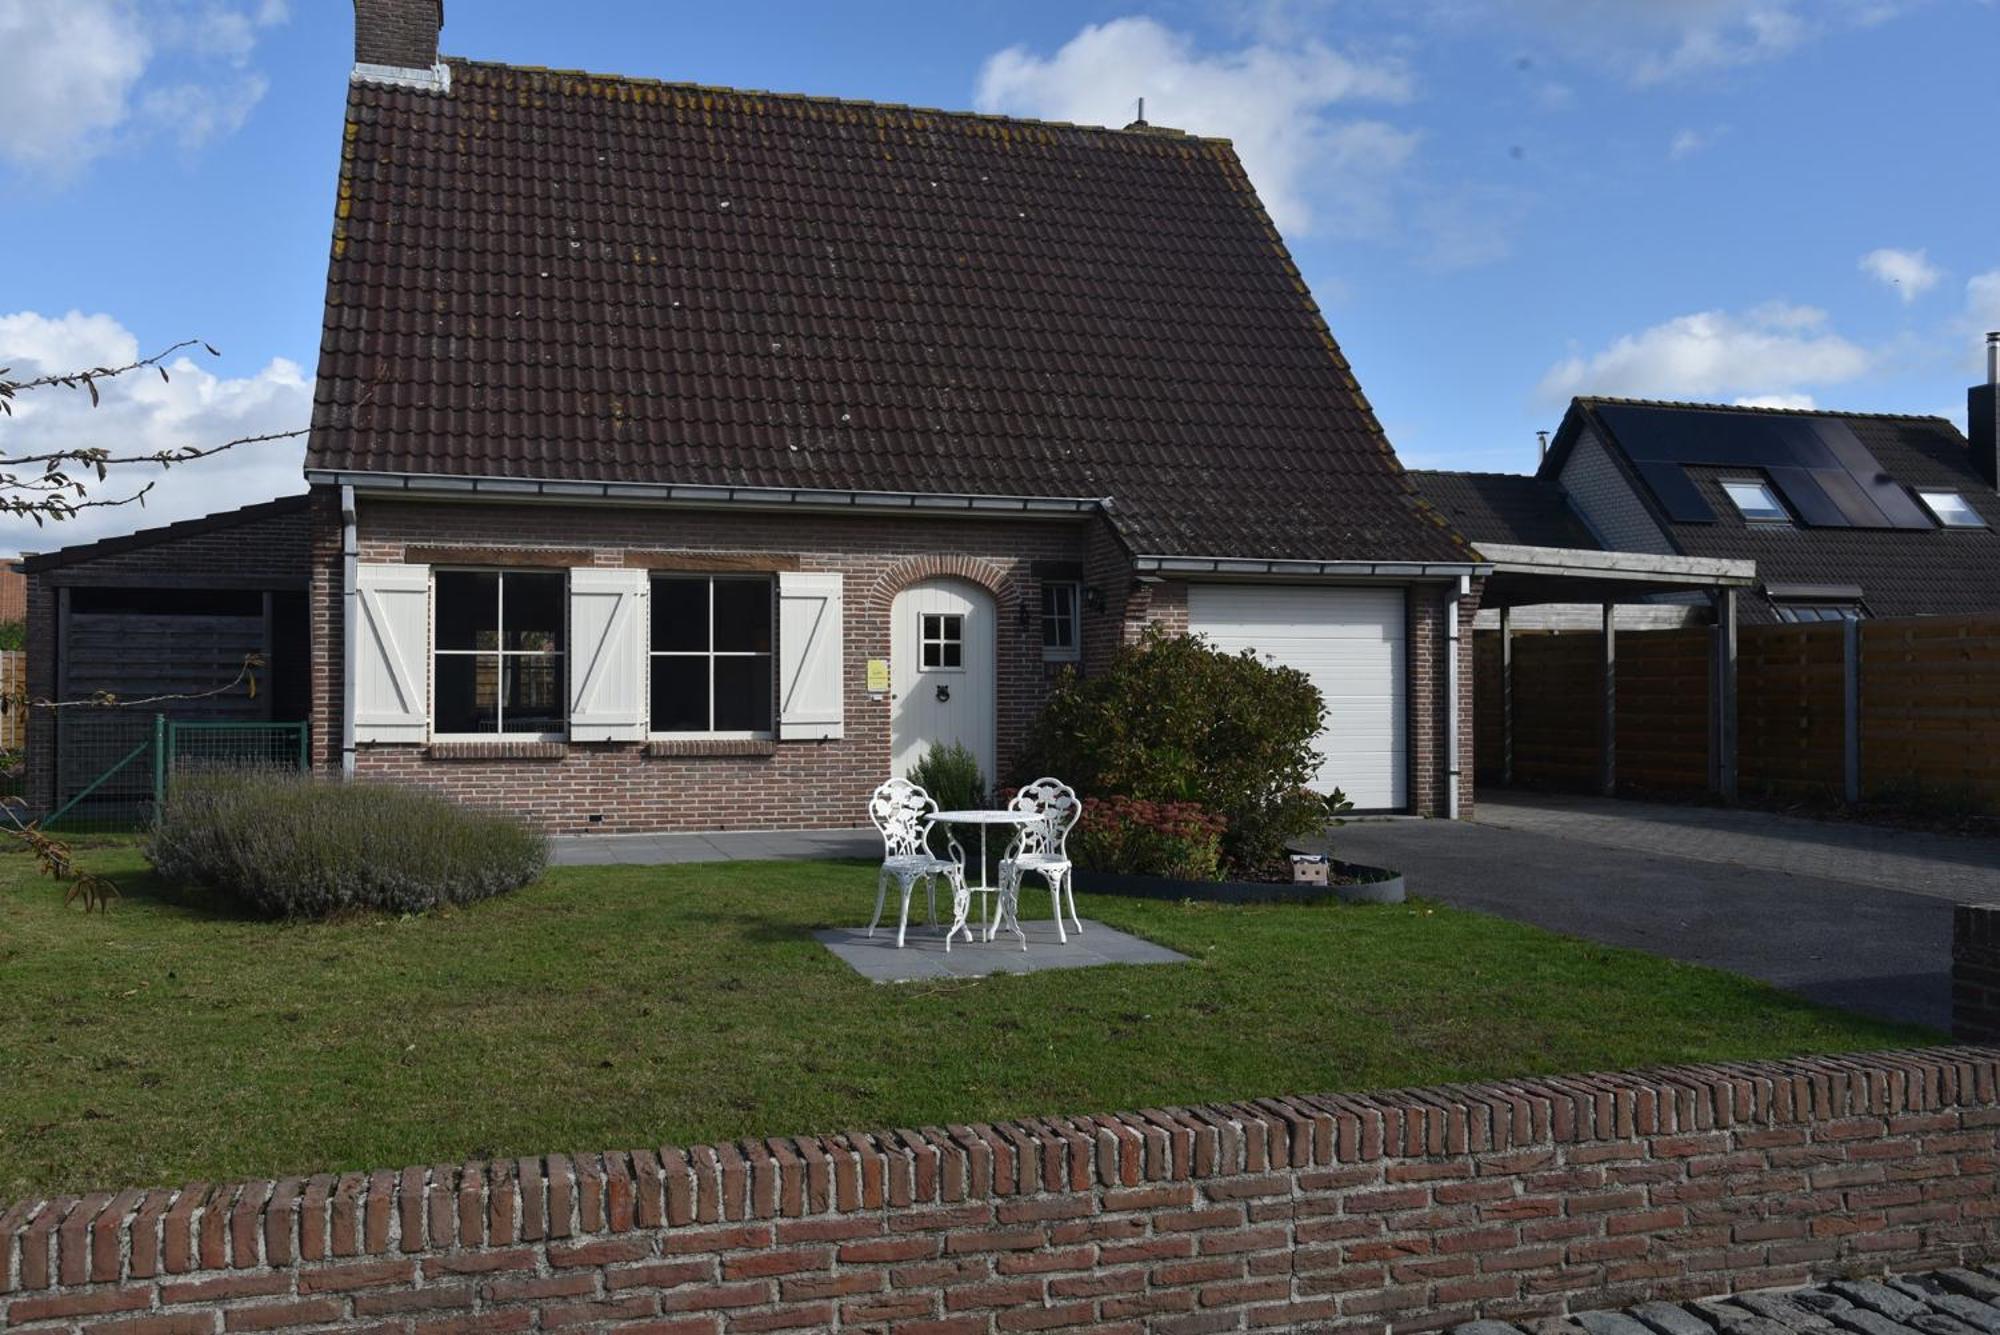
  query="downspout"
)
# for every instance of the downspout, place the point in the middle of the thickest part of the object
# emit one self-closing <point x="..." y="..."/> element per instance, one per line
<point x="1451" y="609"/>
<point x="350" y="600"/>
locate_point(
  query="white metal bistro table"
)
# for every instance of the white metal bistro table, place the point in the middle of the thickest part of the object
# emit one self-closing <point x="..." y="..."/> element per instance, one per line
<point x="1004" y="915"/>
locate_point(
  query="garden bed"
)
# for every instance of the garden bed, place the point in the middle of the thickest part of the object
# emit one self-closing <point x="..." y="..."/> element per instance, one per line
<point x="1348" y="882"/>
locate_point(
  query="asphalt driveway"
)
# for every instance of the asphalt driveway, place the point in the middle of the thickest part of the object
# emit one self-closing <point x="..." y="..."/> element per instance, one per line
<point x="1603" y="870"/>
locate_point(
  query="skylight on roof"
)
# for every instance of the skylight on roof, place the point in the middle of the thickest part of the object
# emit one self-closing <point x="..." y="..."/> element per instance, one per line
<point x="1754" y="500"/>
<point x="1952" y="510"/>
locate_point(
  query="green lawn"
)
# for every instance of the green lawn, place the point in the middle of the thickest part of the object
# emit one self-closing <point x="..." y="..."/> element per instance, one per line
<point x="617" y="1007"/>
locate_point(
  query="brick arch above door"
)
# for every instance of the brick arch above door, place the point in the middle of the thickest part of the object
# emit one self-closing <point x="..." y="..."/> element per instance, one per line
<point x="991" y="576"/>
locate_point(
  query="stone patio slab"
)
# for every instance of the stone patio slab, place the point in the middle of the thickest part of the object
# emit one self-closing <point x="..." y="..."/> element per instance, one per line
<point x="923" y="955"/>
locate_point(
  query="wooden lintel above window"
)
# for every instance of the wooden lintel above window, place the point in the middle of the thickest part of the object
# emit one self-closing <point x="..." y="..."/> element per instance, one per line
<point x="764" y="563"/>
<point x="544" y="557"/>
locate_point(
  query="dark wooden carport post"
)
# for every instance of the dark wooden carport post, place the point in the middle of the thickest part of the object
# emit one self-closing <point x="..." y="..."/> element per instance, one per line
<point x="1723" y="705"/>
<point x="1609" y="737"/>
<point x="1506" y="695"/>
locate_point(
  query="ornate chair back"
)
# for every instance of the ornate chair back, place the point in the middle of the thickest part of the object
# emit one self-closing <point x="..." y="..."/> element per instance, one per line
<point x="902" y="810"/>
<point x="1058" y="806"/>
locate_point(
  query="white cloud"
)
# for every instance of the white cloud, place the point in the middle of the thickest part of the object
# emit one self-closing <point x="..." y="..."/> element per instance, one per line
<point x="1772" y="350"/>
<point x="1687" y="143"/>
<point x="139" y="414"/>
<point x="1910" y="272"/>
<point x="1801" y="402"/>
<point x="1312" y="166"/>
<point x="1982" y="299"/>
<point x="1661" y="41"/>
<point x="84" y="76"/>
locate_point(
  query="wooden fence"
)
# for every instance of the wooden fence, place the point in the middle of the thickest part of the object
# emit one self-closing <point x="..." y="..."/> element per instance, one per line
<point x="13" y="691"/>
<point x="1926" y="721"/>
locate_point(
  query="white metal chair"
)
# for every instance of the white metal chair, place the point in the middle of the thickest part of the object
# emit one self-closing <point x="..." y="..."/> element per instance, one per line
<point x="1042" y="847"/>
<point x="902" y="811"/>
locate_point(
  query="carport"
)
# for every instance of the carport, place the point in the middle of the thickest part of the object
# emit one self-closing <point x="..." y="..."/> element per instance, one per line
<point x="1529" y="576"/>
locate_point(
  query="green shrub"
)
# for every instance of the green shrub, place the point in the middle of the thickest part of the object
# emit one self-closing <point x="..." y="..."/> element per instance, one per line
<point x="285" y="845"/>
<point x="1173" y="720"/>
<point x="950" y="774"/>
<point x="1126" y="834"/>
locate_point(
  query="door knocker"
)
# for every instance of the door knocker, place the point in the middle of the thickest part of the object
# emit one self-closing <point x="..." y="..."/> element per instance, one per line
<point x="943" y="694"/>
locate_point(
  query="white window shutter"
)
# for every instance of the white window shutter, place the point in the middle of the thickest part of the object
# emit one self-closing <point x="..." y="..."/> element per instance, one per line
<point x="607" y="654"/>
<point x="810" y="686"/>
<point x="392" y="652"/>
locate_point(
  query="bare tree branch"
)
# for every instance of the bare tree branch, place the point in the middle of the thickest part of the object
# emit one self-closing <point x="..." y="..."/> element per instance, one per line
<point x="61" y="489"/>
<point x="87" y="379"/>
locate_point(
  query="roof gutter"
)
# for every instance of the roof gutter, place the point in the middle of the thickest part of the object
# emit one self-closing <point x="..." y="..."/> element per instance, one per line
<point x="1251" y="565"/>
<point x="436" y="485"/>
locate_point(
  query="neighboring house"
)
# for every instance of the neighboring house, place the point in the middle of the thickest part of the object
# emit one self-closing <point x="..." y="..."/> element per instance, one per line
<point x="1845" y="515"/>
<point x="692" y="458"/>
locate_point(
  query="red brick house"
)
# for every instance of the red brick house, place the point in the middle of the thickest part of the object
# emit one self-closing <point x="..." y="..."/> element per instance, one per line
<point x="687" y="457"/>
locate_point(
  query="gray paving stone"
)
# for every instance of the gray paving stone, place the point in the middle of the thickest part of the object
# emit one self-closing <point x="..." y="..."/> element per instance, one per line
<point x="1733" y="1319"/>
<point x="1979" y="1315"/>
<point x="1940" y="1302"/>
<point x="923" y="956"/>
<point x="1867" y="1321"/>
<point x="1785" y="1310"/>
<point x="1486" y="1328"/>
<point x="1970" y="1283"/>
<point x="1942" y="1323"/>
<point x="1672" y="1319"/>
<point x="1611" y="1323"/>
<point x="1877" y="1298"/>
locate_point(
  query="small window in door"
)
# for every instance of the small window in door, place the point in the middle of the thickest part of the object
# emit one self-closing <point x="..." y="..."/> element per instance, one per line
<point x="943" y="640"/>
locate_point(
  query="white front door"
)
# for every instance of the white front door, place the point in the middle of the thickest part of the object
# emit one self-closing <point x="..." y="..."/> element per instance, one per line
<point x="1351" y="643"/>
<point x="941" y="672"/>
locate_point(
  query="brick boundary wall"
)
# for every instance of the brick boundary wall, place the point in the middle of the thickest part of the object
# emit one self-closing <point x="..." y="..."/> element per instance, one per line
<point x="1420" y="1208"/>
<point x="1975" y="973"/>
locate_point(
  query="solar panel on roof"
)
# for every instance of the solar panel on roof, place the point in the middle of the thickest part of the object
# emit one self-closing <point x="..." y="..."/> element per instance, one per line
<point x="1827" y="477"/>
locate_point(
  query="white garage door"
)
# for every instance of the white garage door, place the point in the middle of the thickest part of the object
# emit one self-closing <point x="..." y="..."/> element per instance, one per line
<point x="1351" y="643"/>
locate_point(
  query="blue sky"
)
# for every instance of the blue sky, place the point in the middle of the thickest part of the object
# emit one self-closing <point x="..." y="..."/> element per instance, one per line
<point x="1498" y="202"/>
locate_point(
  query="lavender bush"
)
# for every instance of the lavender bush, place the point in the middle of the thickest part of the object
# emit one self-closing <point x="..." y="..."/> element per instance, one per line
<point x="285" y="845"/>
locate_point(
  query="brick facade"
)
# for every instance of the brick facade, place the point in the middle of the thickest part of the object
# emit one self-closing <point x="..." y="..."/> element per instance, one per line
<point x="1417" y="1208"/>
<point x="399" y="33"/>
<point x="630" y="786"/>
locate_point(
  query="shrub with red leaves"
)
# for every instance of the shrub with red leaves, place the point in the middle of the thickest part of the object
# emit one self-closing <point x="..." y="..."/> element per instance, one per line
<point x="1128" y="834"/>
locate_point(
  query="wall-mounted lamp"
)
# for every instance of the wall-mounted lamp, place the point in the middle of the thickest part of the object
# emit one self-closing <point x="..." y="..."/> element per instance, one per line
<point x="1093" y="598"/>
<point x="1023" y="617"/>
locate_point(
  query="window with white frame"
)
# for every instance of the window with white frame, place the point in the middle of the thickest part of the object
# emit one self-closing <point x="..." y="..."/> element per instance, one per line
<point x="1754" y="500"/>
<point x="711" y="652"/>
<point x="1059" y="620"/>
<point x="1952" y="509"/>
<point x="941" y="642"/>
<point x="497" y="666"/>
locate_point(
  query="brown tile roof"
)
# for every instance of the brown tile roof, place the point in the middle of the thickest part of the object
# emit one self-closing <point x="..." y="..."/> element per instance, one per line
<point x="555" y="275"/>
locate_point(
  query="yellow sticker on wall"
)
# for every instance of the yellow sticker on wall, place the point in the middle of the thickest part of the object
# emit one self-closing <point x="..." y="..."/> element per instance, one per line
<point x="878" y="676"/>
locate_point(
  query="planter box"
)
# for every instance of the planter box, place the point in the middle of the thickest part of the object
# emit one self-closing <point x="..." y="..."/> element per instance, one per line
<point x="1372" y="885"/>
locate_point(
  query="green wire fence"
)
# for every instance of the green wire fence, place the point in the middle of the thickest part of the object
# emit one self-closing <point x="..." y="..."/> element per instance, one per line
<point x="114" y="769"/>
